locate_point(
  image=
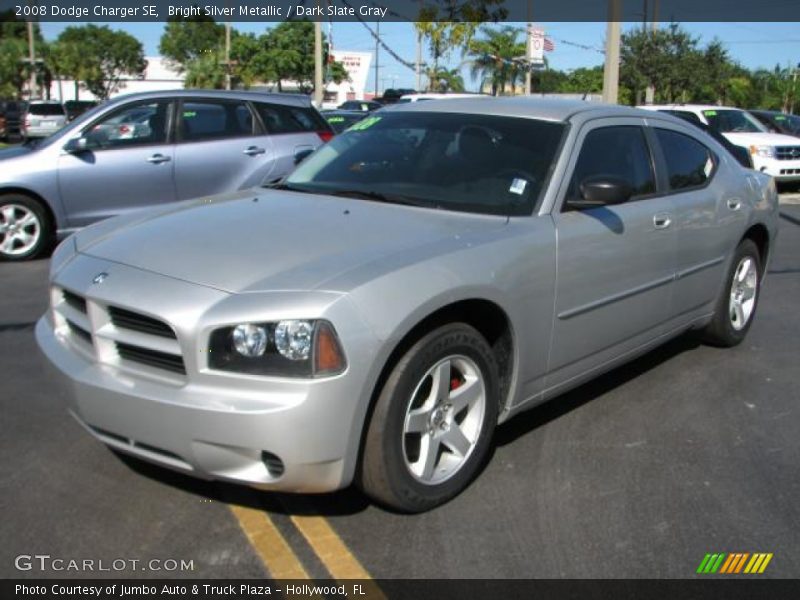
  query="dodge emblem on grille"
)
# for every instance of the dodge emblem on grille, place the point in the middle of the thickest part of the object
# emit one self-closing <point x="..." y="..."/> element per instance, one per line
<point x="100" y="278"/>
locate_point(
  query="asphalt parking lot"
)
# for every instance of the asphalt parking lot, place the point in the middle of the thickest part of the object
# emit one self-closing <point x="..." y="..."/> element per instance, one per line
<point x="686" y="451"/>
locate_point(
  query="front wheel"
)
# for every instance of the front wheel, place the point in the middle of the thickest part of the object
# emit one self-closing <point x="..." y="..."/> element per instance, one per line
<point x="736" y="306"/>
<point x="433" y="421"/>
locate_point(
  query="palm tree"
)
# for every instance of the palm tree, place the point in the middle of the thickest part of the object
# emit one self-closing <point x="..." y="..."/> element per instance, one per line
<point x="496" y="58"/>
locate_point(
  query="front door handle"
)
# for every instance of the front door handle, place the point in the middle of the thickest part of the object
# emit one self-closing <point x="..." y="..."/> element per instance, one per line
<point x="734" y="204"/>
<point x="662" y="220"/>
<point x="253" y="151"/>
<point x="157" y="159"/>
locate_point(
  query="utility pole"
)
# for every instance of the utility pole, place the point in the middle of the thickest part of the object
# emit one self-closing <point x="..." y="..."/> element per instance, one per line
<point x="318" y="89"/>
<point x="528" y="52"/>
<point x="377" y="50"/>
<point x="227" y="55"/>
<point x="611" y="69"/>
<point x="32" y="60"/>
<point x="418" y="66"/>
<point x="650" y="92"/>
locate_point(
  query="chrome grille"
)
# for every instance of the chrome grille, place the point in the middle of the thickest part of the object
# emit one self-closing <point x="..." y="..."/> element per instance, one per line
<point x="787" y="152"/>
<point x="118" y="337"/>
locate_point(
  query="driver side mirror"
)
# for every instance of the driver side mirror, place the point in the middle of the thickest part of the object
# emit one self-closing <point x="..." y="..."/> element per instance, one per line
<point x="601" y="190"/>
<point x="76" y="145"/>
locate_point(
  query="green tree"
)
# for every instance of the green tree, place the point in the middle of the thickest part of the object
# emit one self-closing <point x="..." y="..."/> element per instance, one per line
<point x="14" y="71"/>
<point x="667" y="59"/>
<point x="98" y="57"/>
<point x="448" y="80"/>
<point x="187" y="39"/>
<point x="494" y="57"/>
<point x="442" y="38"/>
<point x="288" y="55"/>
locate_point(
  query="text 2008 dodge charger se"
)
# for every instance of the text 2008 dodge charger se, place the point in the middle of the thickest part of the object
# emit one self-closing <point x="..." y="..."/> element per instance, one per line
<point x="431" y="272"/>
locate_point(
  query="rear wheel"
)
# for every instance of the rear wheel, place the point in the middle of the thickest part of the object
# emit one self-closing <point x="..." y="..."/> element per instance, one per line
<point x="433" y="422"/>
<point x="736" y="306"/>
<point x="25" y="230"/>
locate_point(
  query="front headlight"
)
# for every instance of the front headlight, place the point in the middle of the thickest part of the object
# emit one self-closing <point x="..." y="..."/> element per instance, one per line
<point x="763" y="151"/>
<point x="290" y="348"/>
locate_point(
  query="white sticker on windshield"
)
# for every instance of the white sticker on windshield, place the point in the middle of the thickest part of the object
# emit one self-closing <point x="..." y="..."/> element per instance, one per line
<point x="518" y="186"/>
<point x="709" y="166"/>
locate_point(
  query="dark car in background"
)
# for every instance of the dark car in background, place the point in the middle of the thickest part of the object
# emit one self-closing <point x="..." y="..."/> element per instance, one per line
<point x="12" y="111"/>
<point x="145" y="150"/>
<point x="343" y="119"/>
<point x="360" y="105"/>
<point x="778" y="122"/>
<point x="75" y="108"/>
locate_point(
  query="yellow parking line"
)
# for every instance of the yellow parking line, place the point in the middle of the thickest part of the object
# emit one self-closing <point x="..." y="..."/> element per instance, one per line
<point x="330" y="548"/>
<point x="271" y="546"/>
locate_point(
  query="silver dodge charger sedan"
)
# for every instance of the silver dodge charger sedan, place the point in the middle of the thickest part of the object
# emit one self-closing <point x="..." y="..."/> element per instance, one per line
<point x="426" y="275"/>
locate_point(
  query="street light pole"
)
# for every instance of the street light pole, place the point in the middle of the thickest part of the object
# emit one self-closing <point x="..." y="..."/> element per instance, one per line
<point x="227" y="55"/>
<point x="377" y="50"/>
<point x="650" y="92"/>
<point x="611" y="69"/>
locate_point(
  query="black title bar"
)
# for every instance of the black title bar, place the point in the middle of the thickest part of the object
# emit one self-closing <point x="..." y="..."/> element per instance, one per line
<point x="400" y="10"/>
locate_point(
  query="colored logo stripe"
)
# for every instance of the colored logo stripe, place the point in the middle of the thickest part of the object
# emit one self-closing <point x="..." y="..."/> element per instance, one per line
<point x="734" y="563"/>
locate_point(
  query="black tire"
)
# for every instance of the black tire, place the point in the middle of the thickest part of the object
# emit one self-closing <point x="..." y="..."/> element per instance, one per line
<point x="42" y="224"/>
<point x="722" y="331"/>
<point x="385" y="475"/>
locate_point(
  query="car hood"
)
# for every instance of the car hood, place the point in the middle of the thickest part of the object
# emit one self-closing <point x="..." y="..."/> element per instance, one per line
<point x="275" y="240"/>
<point x="14" y="152"/>
<point x="762" y="139"/>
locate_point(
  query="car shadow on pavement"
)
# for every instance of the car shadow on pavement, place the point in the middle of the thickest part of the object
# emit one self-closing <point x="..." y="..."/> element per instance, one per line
<point x="351" y="501"/>
<point x="554" y="408"/>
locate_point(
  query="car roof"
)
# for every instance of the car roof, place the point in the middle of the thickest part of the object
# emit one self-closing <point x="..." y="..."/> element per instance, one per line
<point x="688" y="107"/>
<point x="548" y="109"/>
<point x="290" y="99"/>
<point x="342" y="112"/>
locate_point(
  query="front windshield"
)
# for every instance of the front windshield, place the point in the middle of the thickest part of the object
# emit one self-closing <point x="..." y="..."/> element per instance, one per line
<point x="467" y="162"/>
<point x="732" y="121"/>
<point x="790" y="123"/>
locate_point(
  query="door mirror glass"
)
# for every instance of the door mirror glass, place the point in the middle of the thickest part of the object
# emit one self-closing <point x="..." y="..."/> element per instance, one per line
<point x="76" y="145"/>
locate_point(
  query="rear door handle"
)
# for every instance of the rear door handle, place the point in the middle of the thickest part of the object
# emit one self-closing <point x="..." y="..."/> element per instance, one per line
<point x="734" y="204"/>
<point x="157" y="159"/>
<point x="662" y="220"/>
<point x="253" y="151"/>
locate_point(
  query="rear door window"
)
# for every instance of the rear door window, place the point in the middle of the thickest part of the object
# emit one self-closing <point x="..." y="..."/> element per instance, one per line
<point x="689" y="163"/>
<point x="215" y="119"/>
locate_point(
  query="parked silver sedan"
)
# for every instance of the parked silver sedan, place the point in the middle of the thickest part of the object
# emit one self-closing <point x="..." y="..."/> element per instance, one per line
<point x="431" y="272"/>
<point x="147" y="149"/>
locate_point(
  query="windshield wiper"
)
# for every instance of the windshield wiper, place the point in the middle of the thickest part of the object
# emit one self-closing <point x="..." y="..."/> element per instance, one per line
<point x="381" y="197"/>
<point x="289" y="188"/>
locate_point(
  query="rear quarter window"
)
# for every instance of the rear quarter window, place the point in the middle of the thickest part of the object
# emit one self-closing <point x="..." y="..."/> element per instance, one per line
<point x="280" y="118"/>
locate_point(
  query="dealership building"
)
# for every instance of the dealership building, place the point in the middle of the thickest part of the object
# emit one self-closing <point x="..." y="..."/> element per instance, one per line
<point x="159" y="75"/>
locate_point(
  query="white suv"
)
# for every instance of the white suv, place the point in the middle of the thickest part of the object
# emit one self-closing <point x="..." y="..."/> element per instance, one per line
<point x="773" y="153"/>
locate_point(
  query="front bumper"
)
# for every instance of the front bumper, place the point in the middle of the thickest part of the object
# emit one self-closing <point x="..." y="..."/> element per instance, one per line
<point x="295" y="435"/>
<point x="179" y="428"/>
<point x="781" y="170"/>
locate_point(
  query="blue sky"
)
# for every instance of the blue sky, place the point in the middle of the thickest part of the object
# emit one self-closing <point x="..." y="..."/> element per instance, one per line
<point x="751" y="44"/>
